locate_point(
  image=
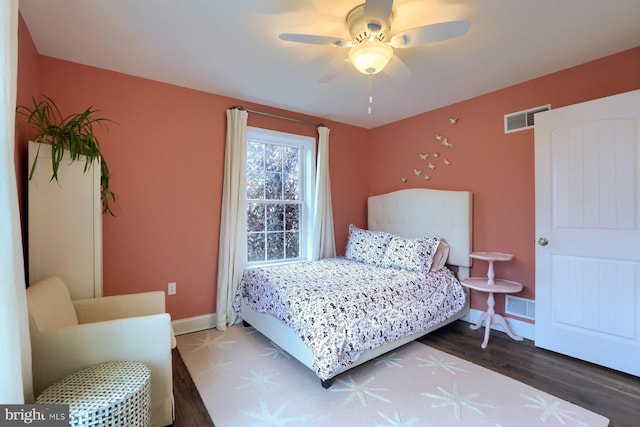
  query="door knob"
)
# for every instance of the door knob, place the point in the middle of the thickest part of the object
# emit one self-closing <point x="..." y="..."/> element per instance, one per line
<point x="543" y="241"/>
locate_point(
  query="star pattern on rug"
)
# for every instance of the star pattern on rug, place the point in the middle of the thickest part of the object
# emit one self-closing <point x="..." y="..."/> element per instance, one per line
<point x="552" y="409"/>
<point x="359" y="390"/>
<point x="276" y="352"/>
<point x="458" y="401"/>
<point x="440" y="363"/>
<point x="259" y="379"/>
<point x="216" y="367"/>
<point x="210" y="341"/>
<point x="396" y="421"/>
<point x="389" y="359"/>
<point x="266" y="417"/>
<point x="261" y="388"/>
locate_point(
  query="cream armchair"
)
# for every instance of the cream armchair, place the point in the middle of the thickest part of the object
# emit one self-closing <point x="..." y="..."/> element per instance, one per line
<point x="67" y="336"/>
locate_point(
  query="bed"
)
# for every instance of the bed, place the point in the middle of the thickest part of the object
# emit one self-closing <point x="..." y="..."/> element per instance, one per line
<point x="432" y="215"/>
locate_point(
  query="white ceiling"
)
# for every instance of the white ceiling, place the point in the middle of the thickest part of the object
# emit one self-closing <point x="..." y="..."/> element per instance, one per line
<point x="231" y="47"/>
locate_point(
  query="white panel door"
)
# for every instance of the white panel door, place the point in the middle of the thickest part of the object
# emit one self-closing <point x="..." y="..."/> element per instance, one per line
<point x="65" y="223"/>
<point x="587" y="159"/>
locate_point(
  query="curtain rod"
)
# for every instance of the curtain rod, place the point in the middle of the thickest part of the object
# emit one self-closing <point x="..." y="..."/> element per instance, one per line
<point x="278" y="116"/>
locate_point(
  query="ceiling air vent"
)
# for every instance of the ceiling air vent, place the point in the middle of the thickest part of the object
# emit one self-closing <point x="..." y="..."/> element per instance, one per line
<point x="522" y="119"/>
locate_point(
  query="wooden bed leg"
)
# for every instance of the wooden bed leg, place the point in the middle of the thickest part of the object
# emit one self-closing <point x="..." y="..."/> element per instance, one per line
<point x="245" y="324"/>
<point x="326" y="383"/>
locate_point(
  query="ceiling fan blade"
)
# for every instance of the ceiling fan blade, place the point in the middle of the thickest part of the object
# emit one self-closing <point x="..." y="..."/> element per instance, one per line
<point x="319" y="40"/>
<point x="430" y="34"/>
<point x="397" y="69"/>
<point x="376" y="14"/>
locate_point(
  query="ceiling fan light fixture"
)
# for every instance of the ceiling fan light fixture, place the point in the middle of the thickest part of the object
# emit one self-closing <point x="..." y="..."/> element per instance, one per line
<point x="370" y="56"/>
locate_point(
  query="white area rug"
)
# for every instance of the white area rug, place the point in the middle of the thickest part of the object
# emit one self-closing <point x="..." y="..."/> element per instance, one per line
<point x="245" y="380"/>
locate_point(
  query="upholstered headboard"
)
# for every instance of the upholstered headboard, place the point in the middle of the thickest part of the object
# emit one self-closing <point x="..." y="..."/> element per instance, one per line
<point x="418" y="212"/>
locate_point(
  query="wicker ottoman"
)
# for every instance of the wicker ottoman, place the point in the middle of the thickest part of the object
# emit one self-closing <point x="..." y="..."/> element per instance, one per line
<point x="110" y="394"/>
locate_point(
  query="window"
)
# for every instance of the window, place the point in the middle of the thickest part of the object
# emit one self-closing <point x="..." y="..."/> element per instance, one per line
<point x="280" y="183"/>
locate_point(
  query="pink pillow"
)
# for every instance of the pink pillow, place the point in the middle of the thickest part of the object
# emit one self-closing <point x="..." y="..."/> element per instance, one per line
<point x="441" y="255"/>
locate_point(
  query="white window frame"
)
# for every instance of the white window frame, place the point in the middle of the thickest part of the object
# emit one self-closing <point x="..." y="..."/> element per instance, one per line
<point x="307" y="176"/>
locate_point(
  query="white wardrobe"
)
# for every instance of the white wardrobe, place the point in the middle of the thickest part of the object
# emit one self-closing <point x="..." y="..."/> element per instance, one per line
<point x="65" y="223"/>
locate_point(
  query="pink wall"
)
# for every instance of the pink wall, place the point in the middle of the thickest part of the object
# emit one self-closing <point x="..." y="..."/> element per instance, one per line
<point x="166" y="154"/>
<point x="497" y="167"/>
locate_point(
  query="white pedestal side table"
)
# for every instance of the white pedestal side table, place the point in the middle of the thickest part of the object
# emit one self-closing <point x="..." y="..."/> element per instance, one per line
<point x="492" y="285"/>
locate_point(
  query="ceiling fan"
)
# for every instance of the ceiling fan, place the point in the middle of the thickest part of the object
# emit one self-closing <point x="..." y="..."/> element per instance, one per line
<point x="372" y="45"/>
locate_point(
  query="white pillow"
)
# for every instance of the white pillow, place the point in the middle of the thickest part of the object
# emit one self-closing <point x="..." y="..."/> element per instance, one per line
<point x="367" y="246"/>
<point x="411" y="254"/>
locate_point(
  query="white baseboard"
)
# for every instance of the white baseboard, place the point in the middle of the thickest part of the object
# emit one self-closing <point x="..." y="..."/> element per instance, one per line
<point x="518" y="327"/>
<point x="194" y="324"/>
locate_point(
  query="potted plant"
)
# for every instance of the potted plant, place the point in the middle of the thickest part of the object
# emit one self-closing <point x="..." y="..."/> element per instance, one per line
<point x="74" y="133"/>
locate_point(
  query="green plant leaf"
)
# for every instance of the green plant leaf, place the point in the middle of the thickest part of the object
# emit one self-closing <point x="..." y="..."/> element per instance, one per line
<point x="74" y="134"/>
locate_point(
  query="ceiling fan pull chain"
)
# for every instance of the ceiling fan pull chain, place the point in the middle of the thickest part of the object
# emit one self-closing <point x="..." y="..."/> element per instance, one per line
<point x="370" y="93"/>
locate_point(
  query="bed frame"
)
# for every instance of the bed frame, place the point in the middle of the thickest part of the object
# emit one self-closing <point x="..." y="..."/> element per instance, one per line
<point x="412" y="212"/>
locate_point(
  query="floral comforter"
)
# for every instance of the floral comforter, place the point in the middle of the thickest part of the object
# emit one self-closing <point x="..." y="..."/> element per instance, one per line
<point x="340" y="308"/>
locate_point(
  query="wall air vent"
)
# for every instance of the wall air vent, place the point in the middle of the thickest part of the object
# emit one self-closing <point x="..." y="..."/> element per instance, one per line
<point x="520" y="307"/>
<point x="522" y="120"/>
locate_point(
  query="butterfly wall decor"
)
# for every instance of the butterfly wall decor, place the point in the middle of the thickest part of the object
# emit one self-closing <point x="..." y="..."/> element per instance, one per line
<point x="433" y="158"/>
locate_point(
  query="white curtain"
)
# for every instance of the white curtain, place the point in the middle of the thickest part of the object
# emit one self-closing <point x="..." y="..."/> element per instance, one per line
<point x="15" y="347"/>
<point x="324" y="243"/>
<point x="232" y="248"/>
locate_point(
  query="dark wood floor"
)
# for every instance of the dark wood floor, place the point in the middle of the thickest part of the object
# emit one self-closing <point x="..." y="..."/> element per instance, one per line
<point x="190" y="411"/>
<point x="610" y="393"/>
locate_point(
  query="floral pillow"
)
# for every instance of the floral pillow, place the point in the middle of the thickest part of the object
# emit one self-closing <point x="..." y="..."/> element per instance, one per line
<point x="411" y="254"/>
<point x="367" y="246"/>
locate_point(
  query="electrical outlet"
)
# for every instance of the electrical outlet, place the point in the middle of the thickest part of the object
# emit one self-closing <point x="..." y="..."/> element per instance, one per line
<point x="171" y="288"/>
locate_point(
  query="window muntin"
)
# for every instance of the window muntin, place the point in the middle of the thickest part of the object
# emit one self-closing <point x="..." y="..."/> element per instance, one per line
<point x="280" y="176"/>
